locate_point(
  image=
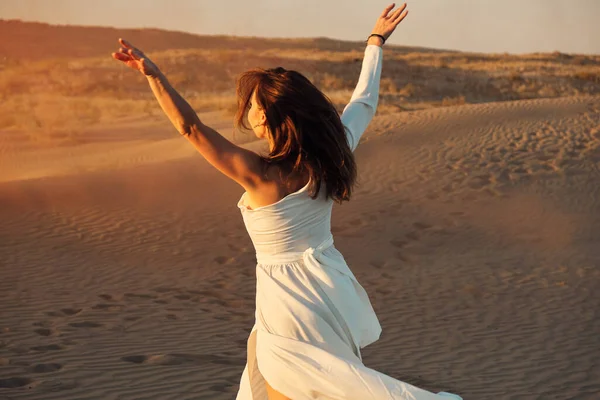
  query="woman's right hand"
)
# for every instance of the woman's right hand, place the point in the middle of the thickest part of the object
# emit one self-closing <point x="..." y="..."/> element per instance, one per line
<point x="386" y="24"/>
<point x="136" y="59"/>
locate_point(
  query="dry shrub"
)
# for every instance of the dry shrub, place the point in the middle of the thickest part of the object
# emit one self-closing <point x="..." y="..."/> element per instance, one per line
<point x="389" y="108"/>
<point x="408" y="90"/>
<point x="587" y="76"/>
<point x="441" y="64"/>
<point x="67" y="94"/>
<point x="547" y="91"/>
<point x="387" y="85"/>
<point x="327" y="81"/>
<point x="514" y="76"/>
<point x="453" y="101"/>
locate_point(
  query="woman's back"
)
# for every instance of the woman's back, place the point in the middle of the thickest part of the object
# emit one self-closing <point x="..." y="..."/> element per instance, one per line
<point x="291" y="224"/>
<point x="295" y="221"/>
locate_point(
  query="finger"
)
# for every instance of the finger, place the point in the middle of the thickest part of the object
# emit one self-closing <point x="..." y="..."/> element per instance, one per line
<point x="387" y="10"/>
<point x="396" y="13"/>
<point x="125" y="43"/>
<point x="121" y="57"/>
<point x="132" y="47"/>
<point x="128" y="45"/>
<point x="137" y="53"/>
<point x="400" y="18"/>
<point x="134" y="53"/>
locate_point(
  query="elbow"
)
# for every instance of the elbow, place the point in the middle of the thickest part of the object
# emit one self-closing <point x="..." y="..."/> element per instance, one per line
<point x="185" y="129"/>
<point x="371" y="109"/>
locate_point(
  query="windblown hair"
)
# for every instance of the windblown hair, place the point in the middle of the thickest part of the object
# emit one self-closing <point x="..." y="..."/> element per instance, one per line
<point x="307" y="132"/>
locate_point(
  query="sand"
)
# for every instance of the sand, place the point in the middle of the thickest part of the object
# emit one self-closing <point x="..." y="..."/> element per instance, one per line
<point x="126" y="271"/>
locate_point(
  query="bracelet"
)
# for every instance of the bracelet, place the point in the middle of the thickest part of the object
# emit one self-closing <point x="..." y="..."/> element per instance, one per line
<point x="376" y="34"/>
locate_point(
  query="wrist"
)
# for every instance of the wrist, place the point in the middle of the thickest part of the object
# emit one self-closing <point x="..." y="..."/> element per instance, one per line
<point x="156" y="76"/>
<point x="375" y="40"/>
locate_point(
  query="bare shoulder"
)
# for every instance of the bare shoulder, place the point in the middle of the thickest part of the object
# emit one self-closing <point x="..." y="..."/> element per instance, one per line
<point x="271" y="189"/>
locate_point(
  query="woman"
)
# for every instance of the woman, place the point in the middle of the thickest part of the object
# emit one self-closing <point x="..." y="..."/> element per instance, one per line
<point x="312" y="315"/>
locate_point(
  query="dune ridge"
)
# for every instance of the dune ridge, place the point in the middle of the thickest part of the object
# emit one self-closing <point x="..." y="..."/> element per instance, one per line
<point x="49" y="89"/>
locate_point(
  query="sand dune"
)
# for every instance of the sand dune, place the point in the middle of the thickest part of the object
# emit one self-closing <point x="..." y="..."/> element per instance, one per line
<point x="126" y="272"/>
<point x="61" y="80"/>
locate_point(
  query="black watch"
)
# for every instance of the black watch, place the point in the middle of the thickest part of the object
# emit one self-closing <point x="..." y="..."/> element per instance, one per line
<point x="376" y="34"/>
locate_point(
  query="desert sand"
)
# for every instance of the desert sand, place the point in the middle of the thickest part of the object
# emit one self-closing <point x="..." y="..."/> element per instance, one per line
<point x="126" y="271"/>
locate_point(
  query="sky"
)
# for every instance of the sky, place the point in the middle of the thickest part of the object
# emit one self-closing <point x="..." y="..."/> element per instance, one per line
<point x="514" y="26"/>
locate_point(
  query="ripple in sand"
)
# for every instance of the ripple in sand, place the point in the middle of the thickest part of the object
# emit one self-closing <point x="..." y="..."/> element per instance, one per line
<point x="48" y="347"/>
<point x="108" y="307"/>
<point x="85" y="324"/>
<point x="139" y="296"/>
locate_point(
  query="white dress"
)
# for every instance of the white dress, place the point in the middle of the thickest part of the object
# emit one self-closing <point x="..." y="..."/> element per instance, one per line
<point x="312" y="315"/>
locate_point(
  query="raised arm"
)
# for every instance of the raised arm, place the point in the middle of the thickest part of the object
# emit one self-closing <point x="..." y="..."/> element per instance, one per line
<point x="362" y="106"/>
<point x="237" y="163"/>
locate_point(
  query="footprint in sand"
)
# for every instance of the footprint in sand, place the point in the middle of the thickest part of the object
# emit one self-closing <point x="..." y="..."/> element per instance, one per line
<point x="164" y="290"/>
<point x="15" y="382"/>
<point x="43" y="331"/>
<point x="358" y="222"/>
<point x="48" y="347"/>
<point x="384" y="291"/>
<point x="181" y="359"/>
<point x="413" y="236"/>
<point x="398" y="243"/>
<point x="221" y="387"/>
<point x="107" y="307"/>
<point x="421" y="225"/>
<point x="338" y="229"/>
<point x="45" y="368"/>
<point x="71" y="311"/>
<point x="85" y="324"/>
<point x="401" y="257"/>
<point x="237" y="249"/>
<point x="222" y="260"/>
<point x="134" y="359"/>
<point x="64" y="312"/>
<point x="144" y="296"/>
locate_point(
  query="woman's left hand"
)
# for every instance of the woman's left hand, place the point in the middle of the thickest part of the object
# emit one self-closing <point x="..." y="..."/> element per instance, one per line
<point x="134" y="58"/>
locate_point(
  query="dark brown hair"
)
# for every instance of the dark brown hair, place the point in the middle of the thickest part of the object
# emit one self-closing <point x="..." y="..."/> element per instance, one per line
<point x="307" y="132"/>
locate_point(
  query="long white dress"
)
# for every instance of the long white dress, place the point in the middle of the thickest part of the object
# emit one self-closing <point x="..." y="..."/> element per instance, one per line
<point x="312" y="315"/>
